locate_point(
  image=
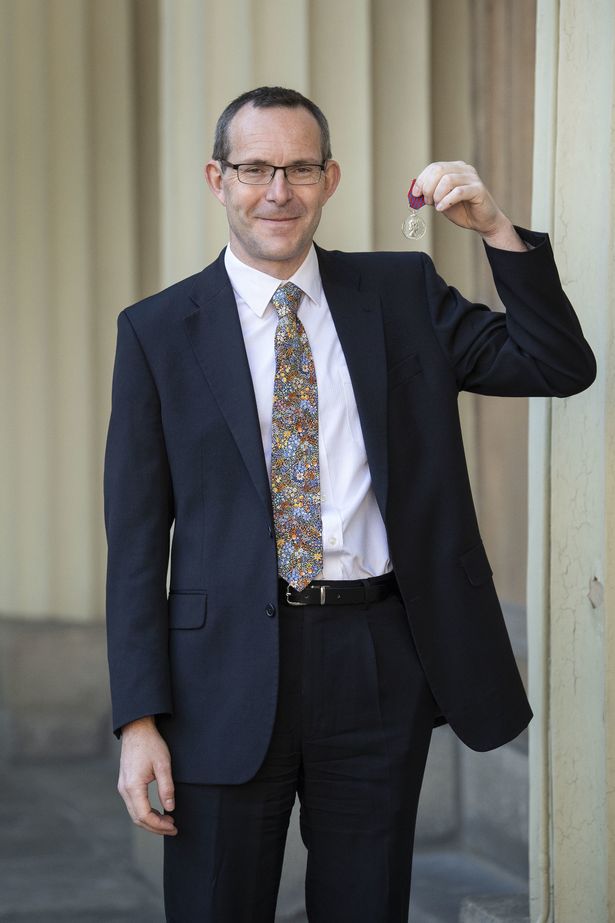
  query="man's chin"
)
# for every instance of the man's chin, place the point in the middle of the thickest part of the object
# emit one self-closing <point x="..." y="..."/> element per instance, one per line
<point x="272" y="248"/>
<point x="281" y="237"/>
<point x="282" y="251"/>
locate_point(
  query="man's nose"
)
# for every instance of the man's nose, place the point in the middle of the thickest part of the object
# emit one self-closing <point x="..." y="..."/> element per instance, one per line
<point x="279" y="189"/>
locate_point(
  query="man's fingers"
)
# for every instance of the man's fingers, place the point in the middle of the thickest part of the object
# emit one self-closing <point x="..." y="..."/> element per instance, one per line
<point x="142" y="813"/>
<point x="437" y="179"/>
<point x="155" y="822"/>
<point x="457" y="194"/>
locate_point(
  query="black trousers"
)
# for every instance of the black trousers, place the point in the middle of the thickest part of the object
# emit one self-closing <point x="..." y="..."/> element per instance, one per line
<point x="351" y="736"/>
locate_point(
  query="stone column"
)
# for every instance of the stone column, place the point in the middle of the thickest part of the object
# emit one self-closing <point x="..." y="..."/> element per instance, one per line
<point x="571" y="562"/>
<point x="68" y="256"/>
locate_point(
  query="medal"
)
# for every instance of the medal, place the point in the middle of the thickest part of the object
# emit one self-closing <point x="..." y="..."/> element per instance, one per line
<point x="414" y="227"/>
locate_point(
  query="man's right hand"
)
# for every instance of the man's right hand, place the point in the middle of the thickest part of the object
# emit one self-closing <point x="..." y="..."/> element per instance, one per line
<point x="145" y="757"/>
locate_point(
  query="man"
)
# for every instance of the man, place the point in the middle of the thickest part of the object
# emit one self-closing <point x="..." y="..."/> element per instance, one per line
<point x="330" y="597"/>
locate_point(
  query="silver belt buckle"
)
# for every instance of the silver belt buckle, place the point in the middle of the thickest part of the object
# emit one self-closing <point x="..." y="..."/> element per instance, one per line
<point x="323" y="596"/>
<point x="289" y="600"/>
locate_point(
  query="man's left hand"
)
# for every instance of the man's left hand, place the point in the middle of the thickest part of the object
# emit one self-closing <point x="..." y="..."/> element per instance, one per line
<point x="455" y="189"/>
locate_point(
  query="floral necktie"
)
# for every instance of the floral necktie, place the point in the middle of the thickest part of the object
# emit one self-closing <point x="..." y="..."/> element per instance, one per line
<point x="295" y="476"/>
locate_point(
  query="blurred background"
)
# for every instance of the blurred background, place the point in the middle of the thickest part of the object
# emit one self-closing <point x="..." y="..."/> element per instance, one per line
<point x="107" y="110"/>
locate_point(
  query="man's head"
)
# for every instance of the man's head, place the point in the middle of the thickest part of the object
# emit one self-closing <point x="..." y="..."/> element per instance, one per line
<point x="272" y="224"/>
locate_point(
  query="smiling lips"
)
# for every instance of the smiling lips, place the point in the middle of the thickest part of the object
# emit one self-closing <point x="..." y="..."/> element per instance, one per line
<point x="279" y="218"/>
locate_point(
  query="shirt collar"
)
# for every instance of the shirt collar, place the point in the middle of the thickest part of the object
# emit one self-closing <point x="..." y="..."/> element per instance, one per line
<point x="256" y="288"/>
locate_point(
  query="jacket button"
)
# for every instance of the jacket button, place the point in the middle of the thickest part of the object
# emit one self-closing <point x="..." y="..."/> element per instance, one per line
<point x="270" y="610"/>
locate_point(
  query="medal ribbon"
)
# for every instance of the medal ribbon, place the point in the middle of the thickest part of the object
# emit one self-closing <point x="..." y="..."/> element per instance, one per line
<point x="415" y="201"/>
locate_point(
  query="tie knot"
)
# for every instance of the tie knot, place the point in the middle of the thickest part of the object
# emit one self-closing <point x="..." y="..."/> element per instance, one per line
<point x="286" y="299"/>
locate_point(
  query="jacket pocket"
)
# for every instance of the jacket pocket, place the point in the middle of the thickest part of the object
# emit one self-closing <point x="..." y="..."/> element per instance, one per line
<point x="476" y="565"/>
<point x="404" y="370"/>
<point x="187" y="609"/>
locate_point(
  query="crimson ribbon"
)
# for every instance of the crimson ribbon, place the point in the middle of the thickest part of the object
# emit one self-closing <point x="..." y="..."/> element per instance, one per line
<point x="415" y="201"/>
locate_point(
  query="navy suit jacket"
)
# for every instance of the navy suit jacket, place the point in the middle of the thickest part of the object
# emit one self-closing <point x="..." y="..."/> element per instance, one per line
<point x="184" y="450"/>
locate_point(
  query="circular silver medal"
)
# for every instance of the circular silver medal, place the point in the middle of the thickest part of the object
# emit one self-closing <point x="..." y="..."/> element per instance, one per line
<point x="413" y="227"/>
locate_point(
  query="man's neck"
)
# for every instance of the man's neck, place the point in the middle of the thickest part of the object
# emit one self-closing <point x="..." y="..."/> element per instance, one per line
<point x="277" y="270"/>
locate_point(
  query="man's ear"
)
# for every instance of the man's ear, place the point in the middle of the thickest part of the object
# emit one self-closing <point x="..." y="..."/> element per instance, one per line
<point x="213" y="175"/>
<point x="332" y="178"/>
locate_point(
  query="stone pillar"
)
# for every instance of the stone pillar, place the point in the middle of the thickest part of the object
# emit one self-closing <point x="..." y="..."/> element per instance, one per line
<point x="571" y="561"/>
<point x="68" y="254"/>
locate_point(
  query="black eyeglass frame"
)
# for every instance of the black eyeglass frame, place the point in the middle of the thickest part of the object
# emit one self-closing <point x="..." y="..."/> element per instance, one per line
<point x="290" y="166"/>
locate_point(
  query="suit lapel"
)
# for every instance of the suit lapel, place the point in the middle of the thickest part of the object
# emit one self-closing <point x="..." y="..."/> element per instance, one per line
<point x="214" y="331"/>
<point x="358" y="320"/>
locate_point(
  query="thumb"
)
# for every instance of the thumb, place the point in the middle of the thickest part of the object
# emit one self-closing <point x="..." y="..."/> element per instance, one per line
<point x="166" y="790"/>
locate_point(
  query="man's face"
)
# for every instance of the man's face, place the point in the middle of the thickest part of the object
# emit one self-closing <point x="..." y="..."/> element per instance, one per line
<point x="271" y="227"/>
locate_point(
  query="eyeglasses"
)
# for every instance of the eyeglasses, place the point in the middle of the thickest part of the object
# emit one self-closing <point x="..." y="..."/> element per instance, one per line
<point x="261" y="174"/>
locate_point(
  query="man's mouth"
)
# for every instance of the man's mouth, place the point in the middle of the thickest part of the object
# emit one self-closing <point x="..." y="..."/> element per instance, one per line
<point x="279" y="218"/>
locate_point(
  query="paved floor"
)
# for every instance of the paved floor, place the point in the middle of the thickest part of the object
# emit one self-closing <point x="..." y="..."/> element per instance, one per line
<point x="65" y="848"/>
<point x="65" y="855"/>
<point x="441" y="879"/>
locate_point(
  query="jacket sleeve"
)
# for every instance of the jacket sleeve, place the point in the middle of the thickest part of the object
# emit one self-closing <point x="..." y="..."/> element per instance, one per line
<point x="138" y="502"/>
<point x="536" y="348"/>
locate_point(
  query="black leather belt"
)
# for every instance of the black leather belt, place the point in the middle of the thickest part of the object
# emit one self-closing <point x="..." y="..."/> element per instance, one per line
<point x="340" y="592"/>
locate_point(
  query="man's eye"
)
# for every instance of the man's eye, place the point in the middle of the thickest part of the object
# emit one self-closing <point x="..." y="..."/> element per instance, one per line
<point x="301" y="169"/>
<point x="255" y="171"/>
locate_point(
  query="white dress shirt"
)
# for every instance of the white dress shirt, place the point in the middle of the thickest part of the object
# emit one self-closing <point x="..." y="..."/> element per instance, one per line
<point x="354" y="537"/>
